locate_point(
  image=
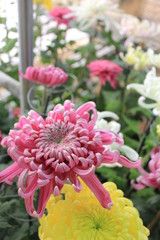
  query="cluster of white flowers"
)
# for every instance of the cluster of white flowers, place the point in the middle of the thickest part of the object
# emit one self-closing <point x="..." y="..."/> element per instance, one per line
<point x="115" y="127"/>
<point x="88" y="13"/>
<point x="151" y="90"/>
<point x="137" y="31"/>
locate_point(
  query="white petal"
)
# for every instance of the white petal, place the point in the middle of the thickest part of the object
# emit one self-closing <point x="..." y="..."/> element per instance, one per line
<point x="156" y="112"/>
<point x="106" y="114"/>
<point x="111" y="165"/>
<point x="102" y="124"/>
<point x="140" y="88"/>
<point x="114" y="126"/>
<point x="146" y="105"/>
<point x="130" y="153"/>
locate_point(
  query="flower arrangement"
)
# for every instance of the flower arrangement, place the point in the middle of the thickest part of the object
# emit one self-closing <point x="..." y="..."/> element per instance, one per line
<point x="81" y="131"/>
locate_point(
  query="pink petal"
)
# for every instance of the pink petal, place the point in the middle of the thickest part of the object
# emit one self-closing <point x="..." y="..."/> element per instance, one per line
<point x="137" y="186"/>
<point x="30" y="185"/>
<point x="75" y="182"/>
<point x="97" y="188"/>
<point x="86" y="108"/>
<point x="44" y="195"/>
<point x="127" y="163"/>
<point x="10" y="173"/>
<point x="110" y="157"/>
<point x="109" y="137"/>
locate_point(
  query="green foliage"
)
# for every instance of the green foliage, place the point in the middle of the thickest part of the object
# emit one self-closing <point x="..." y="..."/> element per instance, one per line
<point x="9" y="45"/>
<point x="13" y="216"/>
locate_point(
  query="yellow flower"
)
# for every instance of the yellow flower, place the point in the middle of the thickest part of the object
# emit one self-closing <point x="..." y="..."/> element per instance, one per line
<point x="136" y="57"/>
<point x="81" y="217"/>
<point x="47" y="3"/>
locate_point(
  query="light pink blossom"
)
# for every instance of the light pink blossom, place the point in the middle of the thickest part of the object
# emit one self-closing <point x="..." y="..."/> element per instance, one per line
<point x="63" y="146"/>
<point x="152" y="178"/>
<point x="59" y="13"/>
<point x="105" y="70"/>
<point x="49" y="76"/>
<point x="140" y="31"/>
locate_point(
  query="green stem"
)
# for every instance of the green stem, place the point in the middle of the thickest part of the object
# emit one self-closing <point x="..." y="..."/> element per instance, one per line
<point x="154" y="221"/>
<point x="146" y="133"/>
<point x="7" y="33"/>
<point x="46" y="105"/>
<point x="44" y="97"/>
<point x="123" y="92"/>
<point x="56" y="60"/>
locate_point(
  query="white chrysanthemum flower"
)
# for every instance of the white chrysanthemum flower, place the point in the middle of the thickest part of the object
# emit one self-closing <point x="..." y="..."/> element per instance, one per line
<point x="89" y="12"/>
<point x="154" y="58"/>
<point x="113" y="126"/>
<point x="138" y="31"/>
<point x="150" y="89"/>
<point x="104" y="124"/>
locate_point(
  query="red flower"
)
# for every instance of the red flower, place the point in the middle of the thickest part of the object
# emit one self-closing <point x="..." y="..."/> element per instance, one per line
<point x="105" y="70"/>
<point x="16" y="112"/>
<point x="49" y="76"/>
<point x="60" y="13"/>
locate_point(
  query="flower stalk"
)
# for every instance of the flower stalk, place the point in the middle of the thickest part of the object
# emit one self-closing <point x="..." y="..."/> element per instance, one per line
<point x="146" y="133"/>
<point x="123" y="92"/>
<point x="154" y="221"/>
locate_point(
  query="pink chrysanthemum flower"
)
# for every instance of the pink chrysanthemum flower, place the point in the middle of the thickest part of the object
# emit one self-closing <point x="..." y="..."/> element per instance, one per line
<point x="64" y="146"/>
<point x="59" y="13"/>
<point x="49" y="76"/>
<point x="151" y="179"/>
<point x="105" y="70"/>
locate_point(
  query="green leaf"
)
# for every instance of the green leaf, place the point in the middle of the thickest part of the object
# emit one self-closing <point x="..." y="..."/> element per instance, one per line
<point x="134" y="110"/>
<point x="21" y="232"/>
<point x="154" y="200"/>
<point x="2" y="20"/>
<point x="133" y="125"/>
<point x="9" y="45"/>
<point x="6" y="206"/>
<point x="129" y="141"/>
<point x="4" y="224"/>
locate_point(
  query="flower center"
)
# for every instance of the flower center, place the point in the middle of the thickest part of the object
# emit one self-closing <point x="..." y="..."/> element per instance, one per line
<point x="56" y="135"/>
<point x="97" y="226"/>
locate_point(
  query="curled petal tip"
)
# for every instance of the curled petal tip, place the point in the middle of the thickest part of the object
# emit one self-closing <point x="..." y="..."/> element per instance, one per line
<point x="20" y="192"/>
<point x="34" y="214"/>
<point x="56" y="191"/>
<point x="110" y="205"/>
